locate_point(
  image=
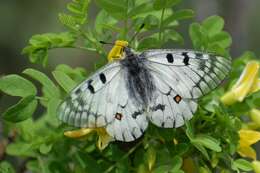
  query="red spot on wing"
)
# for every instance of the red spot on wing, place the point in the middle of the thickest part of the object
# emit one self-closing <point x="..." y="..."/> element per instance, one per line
<point x="177" y="98"/>
<point x="118" y="116"/>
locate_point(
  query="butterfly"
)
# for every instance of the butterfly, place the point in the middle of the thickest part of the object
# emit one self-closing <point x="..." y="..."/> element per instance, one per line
<point x="159" y="85"/>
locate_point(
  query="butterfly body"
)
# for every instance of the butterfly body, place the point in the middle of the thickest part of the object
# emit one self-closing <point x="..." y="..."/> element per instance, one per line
<point x="139" y="81"/>
<point x="161" y="86"/>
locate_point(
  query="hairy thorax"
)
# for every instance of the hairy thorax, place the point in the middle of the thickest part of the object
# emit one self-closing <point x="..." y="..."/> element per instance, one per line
<point x="139" y="83"/>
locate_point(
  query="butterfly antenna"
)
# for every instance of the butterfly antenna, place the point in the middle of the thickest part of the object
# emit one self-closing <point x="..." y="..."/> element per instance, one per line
<point x="137" y="32"/>
<point x="103" y="42"/>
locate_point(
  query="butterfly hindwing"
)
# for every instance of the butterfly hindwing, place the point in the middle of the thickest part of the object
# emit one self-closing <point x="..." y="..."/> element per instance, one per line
<point x="181" y="77"/>
<point x="130" y="123"/>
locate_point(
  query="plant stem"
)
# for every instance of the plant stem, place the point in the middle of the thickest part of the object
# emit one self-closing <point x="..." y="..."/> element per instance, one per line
<point x="41" y="98"/>
<point x="161" y="25"/>
<point x="124" y="157"/>
<point x="126" y="23"/>
<point x="43" y="169"/>
<point x="85" y="36"/>
<point x="125" y="29"/>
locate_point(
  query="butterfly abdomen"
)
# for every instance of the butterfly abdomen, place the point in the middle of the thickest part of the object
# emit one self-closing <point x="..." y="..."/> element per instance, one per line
<point x="139" y="81"/>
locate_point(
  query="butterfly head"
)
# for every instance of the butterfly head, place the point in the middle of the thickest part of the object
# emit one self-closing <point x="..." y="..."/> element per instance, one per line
<point x="117" y="52"/>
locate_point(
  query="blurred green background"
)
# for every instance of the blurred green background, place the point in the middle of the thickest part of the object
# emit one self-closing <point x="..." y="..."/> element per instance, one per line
<point x="20" y="19"/>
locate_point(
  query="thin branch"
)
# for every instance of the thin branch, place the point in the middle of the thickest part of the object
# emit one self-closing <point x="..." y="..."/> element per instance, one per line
<point x="161" y="25"/>
<point x="124" y="157"/>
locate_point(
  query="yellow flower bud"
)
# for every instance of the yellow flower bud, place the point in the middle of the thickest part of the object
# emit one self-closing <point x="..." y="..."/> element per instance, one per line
<point x="247" y="152"/>
<point x="151" y="158"/>
<point x="103" y="137"/>
<point x="255" y="116"/>
<point x="248" y="137"/>
<point x="78" y="133"/>
<point x="247" y="83"/>
<point x="256" y="166"/>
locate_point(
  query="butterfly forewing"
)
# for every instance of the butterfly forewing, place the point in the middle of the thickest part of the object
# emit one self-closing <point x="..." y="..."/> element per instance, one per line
<point x="102" y="101"/>
<point x="89" y="104"/>
<point x="192" y="73"/>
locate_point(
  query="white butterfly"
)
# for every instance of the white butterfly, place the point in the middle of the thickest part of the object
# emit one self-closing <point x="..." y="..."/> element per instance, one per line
<point x="160" y="85"/>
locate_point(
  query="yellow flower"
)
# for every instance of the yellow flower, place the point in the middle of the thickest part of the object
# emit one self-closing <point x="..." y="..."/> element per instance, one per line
<point x="255" y="116"/>
<point x="256" y="166"/>
<point x="247" y="138"/>
<point x="247" y="84"/>
<point x="103" y="138"/>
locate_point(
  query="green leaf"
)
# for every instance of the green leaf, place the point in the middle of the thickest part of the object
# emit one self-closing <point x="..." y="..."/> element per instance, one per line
<point x="6" y="167"/>
<point x="179" y="15"/>
<point x="78" y="16"/>
<point x="182" y="148"/>
<point x="140" y="9"/>
<point x="174" y="36"/>
<point x="115" y="8"/>
<point x="213" y="24"/>
<point x="69" y="21"/>
<point x="206" y="170"/>
<point x="223" y="39"/>
<point x="50" y="87"/>
<point x="20" y="149"/>
<point x="78" y="74"/>
<point x="104" y="20"/>
<point x="33" y="166"/>
<point x="151" y="21"/>
<point x="64" y="80"/>
<point x="15" y="85"/>
<point x="142" y="168"/>
<point x="208" y="142"/>
<point x="160" y="4"/>
<point x="243" y="165"/>
<point x="201" y="149"/>
<point x="217" y="49"/>
<point x="189" y="130"/>
<point x="151" y="157"/>
<point x="45" y="148"/>
<point x="21" y="111"/>
<point x="79" y="9"/>
<point x="38" y="46"/>
<point x="149" y="42"/>
<point x="196" y="35"/>
<point x="177" y="163"/>
<point x="162" y="169"/>
<point x="52" y="107"/>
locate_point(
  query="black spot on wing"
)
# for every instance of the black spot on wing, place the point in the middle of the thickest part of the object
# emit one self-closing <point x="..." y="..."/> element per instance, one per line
<point x="199" y="55"/>
<point x="102" y="78"/>
<point x="158" y="107"/>
<point x="78" y="91"/>
<point x="169" y="58"/>
<point x="186" y="58"/>
<point x="90" y="87"/>
<point x="163" y="123"/>
<point x="137" y="113"/>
